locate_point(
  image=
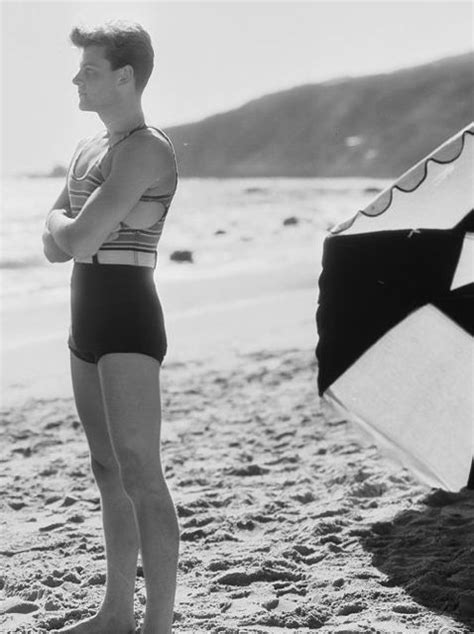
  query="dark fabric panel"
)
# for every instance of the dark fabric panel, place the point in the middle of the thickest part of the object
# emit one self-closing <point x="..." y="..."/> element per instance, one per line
<point x="470" y="482"/>
<point x="371" y="282"/>
<point x="467" y="224"/>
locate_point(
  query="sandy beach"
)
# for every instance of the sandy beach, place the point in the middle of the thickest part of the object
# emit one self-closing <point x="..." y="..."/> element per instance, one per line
<point x="288" y="520"/>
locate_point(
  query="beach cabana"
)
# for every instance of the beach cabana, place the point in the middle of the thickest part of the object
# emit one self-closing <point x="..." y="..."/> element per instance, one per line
<point x="396" y="317"/>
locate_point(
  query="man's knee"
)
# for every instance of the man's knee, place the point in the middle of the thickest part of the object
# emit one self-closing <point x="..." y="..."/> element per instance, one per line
<point x="105" y="471"/>
<point x="141" y="476"/>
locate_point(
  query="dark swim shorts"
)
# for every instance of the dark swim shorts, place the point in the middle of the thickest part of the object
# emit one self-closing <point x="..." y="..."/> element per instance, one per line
<point x="115" y="308"/>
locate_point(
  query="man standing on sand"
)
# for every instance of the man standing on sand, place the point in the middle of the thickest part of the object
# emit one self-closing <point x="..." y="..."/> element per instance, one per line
<point x="109" y="218"/>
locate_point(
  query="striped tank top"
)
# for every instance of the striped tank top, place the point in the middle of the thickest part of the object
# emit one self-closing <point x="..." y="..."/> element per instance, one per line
<point x="129" y="238"/>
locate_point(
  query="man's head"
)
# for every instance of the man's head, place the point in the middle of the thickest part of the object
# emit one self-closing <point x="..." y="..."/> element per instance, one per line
<point x="117" y="60"/>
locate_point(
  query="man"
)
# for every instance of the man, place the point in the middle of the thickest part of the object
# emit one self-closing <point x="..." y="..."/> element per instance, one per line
<point x="109" y="218"/>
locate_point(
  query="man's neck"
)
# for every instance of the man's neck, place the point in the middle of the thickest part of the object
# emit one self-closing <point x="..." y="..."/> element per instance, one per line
<point x="121" y="120"/>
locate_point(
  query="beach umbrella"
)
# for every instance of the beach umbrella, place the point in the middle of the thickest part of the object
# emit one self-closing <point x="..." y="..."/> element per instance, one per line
<point x="395" y="317"/>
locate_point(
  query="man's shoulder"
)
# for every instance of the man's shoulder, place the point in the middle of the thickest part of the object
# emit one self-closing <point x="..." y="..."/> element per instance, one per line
<point x="150" y="142"/>
<point x="153" y="137"/>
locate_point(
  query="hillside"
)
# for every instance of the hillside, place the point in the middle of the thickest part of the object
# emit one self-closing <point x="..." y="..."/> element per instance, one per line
<point x="374" y="126"/>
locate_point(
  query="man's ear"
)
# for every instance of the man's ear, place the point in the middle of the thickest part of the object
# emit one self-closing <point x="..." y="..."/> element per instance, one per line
<point x="126" y="74"/>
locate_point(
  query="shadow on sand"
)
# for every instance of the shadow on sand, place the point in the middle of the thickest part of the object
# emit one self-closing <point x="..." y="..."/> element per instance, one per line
<point x="430" y="553"/>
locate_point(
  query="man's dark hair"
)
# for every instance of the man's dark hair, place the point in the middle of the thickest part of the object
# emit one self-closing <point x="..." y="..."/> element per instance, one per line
<point x="124" y="42"/>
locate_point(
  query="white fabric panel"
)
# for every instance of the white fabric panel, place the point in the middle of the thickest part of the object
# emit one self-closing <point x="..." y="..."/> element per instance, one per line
<point x="414" y="391"/>
<point x="442" y="200"/>
<point x="464" y="273"/>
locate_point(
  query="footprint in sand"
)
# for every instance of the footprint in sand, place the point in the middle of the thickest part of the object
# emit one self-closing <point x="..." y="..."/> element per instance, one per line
<point x="17" y="606"/>
<point x="51" y="581"/>
<point x="50" y="526"/>
<point x="369" y="489"/>
<point x="301" y="617"/>
<point x="351" y="608"/>
<point x="252" y="469"/>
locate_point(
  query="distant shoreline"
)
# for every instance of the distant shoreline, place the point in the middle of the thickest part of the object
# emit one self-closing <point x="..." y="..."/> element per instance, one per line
<point x="373" y="184"/>
<point x="56" y="172"/>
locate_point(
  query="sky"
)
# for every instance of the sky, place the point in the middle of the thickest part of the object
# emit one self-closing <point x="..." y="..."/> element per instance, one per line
<point x="209" y="57"/>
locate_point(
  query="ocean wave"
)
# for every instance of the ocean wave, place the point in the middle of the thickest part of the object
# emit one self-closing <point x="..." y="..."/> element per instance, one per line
<point x="27" y="263"/>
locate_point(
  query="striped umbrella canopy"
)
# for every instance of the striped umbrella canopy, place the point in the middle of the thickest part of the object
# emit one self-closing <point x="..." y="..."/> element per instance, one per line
<point x="395" y="317"/>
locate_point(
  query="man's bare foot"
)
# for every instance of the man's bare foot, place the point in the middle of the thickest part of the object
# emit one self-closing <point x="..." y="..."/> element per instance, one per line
<point x="100" y="624"/>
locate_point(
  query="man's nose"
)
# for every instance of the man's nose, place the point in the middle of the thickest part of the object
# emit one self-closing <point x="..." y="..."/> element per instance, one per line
<point x="76" y="79"/>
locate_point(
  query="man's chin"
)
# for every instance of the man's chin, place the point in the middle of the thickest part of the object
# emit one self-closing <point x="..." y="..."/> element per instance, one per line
<point x="86" y="107"/>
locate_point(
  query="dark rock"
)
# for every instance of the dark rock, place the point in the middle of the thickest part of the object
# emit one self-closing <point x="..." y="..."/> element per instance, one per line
<point x="255" y="190"/>
<point x="182" y="256"/>
<point x="292" y="220"/>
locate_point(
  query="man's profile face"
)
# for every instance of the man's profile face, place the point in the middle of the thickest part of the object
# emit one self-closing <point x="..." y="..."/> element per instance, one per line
<point x="96" y="81"/>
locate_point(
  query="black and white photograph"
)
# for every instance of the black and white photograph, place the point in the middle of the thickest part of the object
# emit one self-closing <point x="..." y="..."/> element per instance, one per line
<point x="237" y="317"/>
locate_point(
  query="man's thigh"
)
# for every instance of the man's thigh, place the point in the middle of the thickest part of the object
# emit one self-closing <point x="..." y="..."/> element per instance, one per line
<point x="131" y="388"/>
<point x="90" y="407"/>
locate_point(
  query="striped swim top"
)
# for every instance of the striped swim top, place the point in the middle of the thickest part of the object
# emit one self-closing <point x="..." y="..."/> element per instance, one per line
<point x="129" y="238"/>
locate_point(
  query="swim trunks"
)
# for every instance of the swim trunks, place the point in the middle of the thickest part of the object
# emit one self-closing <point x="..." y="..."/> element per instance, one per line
<point x="115" y="308"/>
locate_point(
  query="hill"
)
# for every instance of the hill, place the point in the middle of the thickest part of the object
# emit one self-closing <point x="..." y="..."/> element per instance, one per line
<point x="372" y="126"/>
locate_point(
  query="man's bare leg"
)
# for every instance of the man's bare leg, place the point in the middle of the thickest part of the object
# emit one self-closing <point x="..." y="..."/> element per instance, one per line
<point x="116" y="615"/>
<point x="131" y="389"/>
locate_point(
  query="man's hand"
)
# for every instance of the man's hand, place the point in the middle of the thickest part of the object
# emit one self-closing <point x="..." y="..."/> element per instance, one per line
<point x="51" y="250"/>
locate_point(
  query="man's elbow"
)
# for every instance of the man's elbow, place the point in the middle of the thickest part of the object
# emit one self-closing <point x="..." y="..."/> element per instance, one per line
<point x="52" y="252"/>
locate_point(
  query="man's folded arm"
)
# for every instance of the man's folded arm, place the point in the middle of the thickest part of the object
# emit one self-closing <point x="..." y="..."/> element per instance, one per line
<point x="135" y="167"/>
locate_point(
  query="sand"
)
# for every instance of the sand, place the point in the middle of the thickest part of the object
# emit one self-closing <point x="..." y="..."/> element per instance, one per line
<point x="288" y="521"/>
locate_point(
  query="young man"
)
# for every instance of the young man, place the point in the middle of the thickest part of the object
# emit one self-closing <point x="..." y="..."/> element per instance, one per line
<point x="109" y="218"/>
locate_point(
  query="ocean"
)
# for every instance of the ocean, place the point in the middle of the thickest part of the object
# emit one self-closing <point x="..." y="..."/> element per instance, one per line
<point x="229" y="225"/>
